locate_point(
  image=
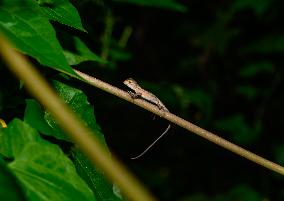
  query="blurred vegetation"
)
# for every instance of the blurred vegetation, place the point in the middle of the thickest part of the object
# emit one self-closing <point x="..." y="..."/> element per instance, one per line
<point x="215" y="63"/>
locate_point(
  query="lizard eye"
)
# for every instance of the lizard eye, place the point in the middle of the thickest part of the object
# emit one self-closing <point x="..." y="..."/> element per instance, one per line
<point x="130" y="80"/>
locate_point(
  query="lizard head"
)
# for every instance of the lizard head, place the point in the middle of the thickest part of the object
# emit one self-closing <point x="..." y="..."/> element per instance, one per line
<point x="130" y="82"/>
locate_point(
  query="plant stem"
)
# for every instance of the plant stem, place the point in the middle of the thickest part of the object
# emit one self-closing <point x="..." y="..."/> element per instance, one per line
<point x="183" y="123"/>
<point x="82" y="136"/>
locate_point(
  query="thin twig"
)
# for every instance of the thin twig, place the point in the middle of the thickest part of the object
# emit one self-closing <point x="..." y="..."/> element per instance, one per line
<point x="183" y="123"/>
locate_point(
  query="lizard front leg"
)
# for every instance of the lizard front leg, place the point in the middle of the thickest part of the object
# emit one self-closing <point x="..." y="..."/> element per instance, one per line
<point x="135" y="95"/>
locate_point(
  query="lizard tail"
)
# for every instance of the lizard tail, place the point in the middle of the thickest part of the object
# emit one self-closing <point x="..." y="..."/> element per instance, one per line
<point x="151" y="145"/>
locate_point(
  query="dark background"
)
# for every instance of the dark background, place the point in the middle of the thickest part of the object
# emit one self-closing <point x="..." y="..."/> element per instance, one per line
<point x="218" y="65"/>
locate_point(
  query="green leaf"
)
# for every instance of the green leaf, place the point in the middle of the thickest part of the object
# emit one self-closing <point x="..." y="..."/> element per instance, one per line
<point x="10" y="189"/>
<point x="196" y="97"/>
<point x="244" y="193"/>
<point x="218" y="36"/>
<point x="94" y="178"/>
<point x="63" y="12"/>
<point x="120" y="55"/>
<point x="45" y="2"/>
<point x="267" y="44"/>
<point x="239" y="129"/>
<point x="26" y="27"/>
<point x="43" y="170"/>
<point x="78" y="102"/>
<point x="253" y="69"/>
<point x="258" y="6"/>
<point x="249" y="92"/>
<point x="279" y="154"/>
<point x="34" y="116"/>
<point x="166" y="4"/>
<point x="83" y="54"/>
<point x="13" y="140"/>
<point x="201" y="99"/>
<point x="47" y="174"/>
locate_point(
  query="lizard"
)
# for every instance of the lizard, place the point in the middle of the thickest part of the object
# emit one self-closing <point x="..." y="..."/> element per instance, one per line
<point x="139" y="92"/>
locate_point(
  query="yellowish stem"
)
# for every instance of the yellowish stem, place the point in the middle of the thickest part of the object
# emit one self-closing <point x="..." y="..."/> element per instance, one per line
<point x="81" y="135"/>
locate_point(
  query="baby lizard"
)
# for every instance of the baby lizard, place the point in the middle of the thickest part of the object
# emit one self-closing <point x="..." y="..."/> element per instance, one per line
<point x="139" y="92"/>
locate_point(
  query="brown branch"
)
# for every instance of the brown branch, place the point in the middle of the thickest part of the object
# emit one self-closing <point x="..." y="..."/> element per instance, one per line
<point x="183" y="123"/>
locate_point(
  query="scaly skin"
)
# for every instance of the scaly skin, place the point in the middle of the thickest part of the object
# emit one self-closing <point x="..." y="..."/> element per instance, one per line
<point x="139" y="92"/>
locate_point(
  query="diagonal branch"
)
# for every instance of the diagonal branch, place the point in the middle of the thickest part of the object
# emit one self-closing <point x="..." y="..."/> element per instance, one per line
<point x="183" y="123"/>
